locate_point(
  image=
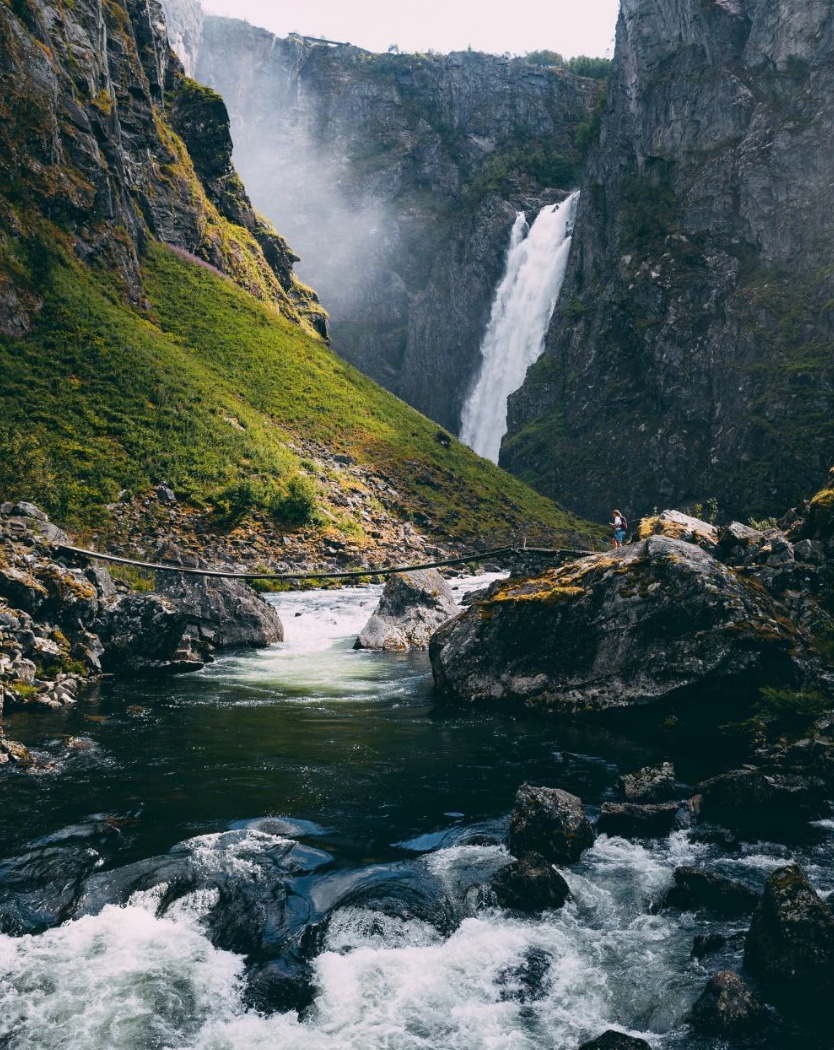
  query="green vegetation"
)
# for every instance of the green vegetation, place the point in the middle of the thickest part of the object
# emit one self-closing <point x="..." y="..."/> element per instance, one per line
<point x="536" y="158"/>
<point x="205" y="389"/>
<point x="788" y="711"/>
<point x="593" y="68"/>
<point x="579" y="65"/>
<point x="141" y="580"/>
<point x="648" y="212"/>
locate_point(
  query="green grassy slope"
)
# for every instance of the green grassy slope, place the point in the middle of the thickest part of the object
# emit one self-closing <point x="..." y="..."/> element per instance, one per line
<point x="208" y="387"/>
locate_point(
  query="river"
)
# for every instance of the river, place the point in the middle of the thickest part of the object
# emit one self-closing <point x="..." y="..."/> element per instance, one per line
<point x="284" y="851"/>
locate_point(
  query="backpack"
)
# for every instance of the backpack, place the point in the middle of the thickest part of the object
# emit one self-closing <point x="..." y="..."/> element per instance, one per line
<point x="624" y="525"/>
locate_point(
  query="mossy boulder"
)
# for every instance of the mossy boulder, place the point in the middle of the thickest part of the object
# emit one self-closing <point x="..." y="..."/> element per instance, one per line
<point x="618" y="630"/>
<point x="790" y="944"/>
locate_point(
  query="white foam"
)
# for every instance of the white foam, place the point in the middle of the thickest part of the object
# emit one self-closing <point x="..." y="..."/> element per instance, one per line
<point x="128" y="980"/>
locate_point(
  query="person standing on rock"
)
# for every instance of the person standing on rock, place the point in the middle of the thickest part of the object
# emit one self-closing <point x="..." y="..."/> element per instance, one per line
<point x="620" y="526"/>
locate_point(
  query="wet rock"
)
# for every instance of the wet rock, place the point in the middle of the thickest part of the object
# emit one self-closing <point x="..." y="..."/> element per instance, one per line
<point x="631" y="820"/>
<point x="705" y="944"/>
<point x="649" y="784"/>
<point x="612" y="1040"/>
<point x="412" y="606"/>
<point x="790" y="944"/>
<point x="619" y="630"/>
<point x="526" y="982"/>
<point x="550" y="822"/>
<point x="530" y="884"/>
<point x="13" y="752"/>
<point x="761" y="802"/>
<point x="722" y="837"/>
<point x="695" y="888"/>
<point x="727" y="1006"/>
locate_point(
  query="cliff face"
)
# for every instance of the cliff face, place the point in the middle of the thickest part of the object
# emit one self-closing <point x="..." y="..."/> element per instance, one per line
<point x="97" y="117"/>
<point x="691" y="355"/>
<point x="397" y="179"/>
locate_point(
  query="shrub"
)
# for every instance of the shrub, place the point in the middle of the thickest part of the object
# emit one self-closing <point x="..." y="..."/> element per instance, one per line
<point x="297" y="502"/>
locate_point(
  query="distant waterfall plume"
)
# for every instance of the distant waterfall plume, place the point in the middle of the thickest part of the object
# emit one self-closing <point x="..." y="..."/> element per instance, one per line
<point x="521" y="311"/>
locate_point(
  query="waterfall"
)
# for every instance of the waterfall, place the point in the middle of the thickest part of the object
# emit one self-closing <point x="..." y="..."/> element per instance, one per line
<point x="521" y="310"/>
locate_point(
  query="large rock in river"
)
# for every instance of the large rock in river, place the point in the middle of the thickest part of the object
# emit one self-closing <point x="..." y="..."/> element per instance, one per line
<point x="616" y="630"/>
<point x="413" y="605"/>
<point x="550" y="822"/>
<point x="227" y="613"/>
<point x="790" y="944"/>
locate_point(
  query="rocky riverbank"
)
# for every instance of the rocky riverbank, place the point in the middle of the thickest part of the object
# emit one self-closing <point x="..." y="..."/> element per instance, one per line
<point x="64" y="623"/>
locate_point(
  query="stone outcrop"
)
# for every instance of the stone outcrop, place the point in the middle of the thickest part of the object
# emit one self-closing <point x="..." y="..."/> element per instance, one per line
<point x="790" y="944"/>
<point x="617" y="630"/>
<point x="92" y="95"/>
<point x="770" y="798"/>
<point x="727" y="1006"/>
<point x="226" y="613"/>
<point x="649" y="784"/>
<point x="397" y="178"/>
<point x="551" y="823"/>
<point x="688" y="357"/>
<point x="412" y="606"/>
<point x="695" y="888"/>
<point x="529" y="884"/>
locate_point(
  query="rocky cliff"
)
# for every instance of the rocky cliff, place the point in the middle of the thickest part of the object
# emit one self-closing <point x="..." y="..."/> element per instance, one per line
<point x="97" y="121"/>
<point x="690" y="355"/>
<point x="397" y="178"/>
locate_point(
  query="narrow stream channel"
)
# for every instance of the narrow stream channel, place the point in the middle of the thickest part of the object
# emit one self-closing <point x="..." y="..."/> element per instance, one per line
<point x="284" y="851"/>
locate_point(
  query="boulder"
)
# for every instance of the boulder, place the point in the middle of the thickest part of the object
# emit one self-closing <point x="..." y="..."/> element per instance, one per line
<point x="695" y="888"/>
<point x="760" y="802"/>
<point x="412" y="606"/>
<point x="612" y="1040"/>
<point x="618" y="630"/>
<point x="727" y="1006"/>
<point x="649" y="784"/>
<point x="631" y="820"/>
<point x="790" y="944"/>
<point x="529" y="884"/>
<point x="227" y="613"/>
<point x="704" y="944"/>
<point x="149" y="633"/>
<point x="549" y="822"/>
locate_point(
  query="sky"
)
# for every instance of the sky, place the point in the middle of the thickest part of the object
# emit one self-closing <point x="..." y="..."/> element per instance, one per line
<point x="571" y="27"/>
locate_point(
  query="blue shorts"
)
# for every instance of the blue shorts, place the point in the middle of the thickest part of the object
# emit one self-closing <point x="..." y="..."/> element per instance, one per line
<point x="620" y="535"/>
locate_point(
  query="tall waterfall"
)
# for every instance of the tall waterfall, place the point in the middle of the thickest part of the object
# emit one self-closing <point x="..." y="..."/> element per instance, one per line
<point x="521" y="311"/>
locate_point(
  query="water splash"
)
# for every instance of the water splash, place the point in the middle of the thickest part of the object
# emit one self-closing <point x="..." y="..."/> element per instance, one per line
<point x="521" y="311"/>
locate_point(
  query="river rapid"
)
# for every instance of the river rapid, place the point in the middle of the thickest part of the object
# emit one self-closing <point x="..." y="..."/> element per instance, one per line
<point x="284" y="851"/>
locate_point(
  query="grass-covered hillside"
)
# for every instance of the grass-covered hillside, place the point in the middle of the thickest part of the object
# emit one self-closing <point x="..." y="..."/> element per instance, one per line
<point x="211" y="390"/>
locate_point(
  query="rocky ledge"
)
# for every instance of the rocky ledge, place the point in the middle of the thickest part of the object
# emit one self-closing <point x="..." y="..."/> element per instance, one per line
<point x="63" y="623"/>
<point x="688" y="611"/>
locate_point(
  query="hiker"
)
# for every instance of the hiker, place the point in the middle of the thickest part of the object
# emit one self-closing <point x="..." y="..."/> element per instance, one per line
<point x="620" y="526"/>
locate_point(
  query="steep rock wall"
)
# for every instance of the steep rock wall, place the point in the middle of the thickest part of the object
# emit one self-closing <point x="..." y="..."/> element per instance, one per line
<point x="691" y="353"/>
<point x="397" y="178"/>
<point x="96" y="117"/>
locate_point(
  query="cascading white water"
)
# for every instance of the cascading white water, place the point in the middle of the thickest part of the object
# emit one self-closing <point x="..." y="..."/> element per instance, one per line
<point x="521" y="311"/>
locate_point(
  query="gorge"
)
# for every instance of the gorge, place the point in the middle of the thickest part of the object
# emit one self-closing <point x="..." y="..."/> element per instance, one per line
<point x="596" y="812"/>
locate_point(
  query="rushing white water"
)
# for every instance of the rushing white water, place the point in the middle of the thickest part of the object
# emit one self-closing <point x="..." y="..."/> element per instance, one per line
<point x="521" y="311"/>
<point x="138" y="976"/>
